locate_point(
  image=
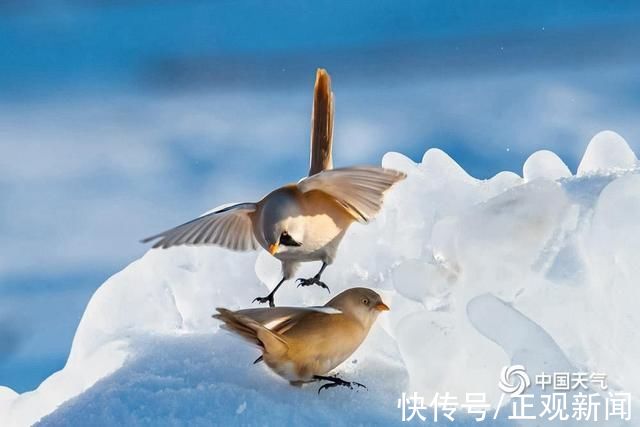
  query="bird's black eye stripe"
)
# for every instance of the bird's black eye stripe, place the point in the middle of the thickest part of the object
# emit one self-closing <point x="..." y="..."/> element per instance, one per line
<point x="287" y="240"/>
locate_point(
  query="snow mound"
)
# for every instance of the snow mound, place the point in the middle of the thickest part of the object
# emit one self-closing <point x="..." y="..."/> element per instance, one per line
<point x="544" y="164"/>
<point x="479" y="274"/>
<point x="607" y="150"/>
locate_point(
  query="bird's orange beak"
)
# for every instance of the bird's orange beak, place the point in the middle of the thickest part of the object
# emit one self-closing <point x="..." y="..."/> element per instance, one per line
<point x="273" y="248"/>
<point x="381" y="307"/>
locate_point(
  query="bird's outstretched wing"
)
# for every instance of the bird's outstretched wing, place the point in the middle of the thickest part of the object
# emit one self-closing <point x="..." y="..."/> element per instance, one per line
<point x="359" y="189"/>
<point x="321" y="124"/>
<point x="228" y="227"/>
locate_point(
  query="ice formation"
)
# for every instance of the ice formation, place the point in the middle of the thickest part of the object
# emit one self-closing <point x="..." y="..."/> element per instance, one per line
<point x="540" y="270"/>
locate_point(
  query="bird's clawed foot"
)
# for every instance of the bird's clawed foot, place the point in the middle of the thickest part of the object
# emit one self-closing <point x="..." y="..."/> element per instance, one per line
<point x="335" y="382"/>
<point x="315" y="280"/>
<point x="268" y="298"/>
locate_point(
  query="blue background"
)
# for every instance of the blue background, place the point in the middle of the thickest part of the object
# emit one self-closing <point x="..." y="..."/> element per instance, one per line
<point x="122" y="118"/>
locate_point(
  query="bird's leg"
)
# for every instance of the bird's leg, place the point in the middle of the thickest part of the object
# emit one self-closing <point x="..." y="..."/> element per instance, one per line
<point x="269" y="298"/>
<point x="335" y="382"/>
<point x="315" y="280"/>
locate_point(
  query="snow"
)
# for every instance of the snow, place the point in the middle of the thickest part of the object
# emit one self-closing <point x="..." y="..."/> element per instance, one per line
<point x="544" y="164"/>
<point x="539" y="270"/>
<point x="607" y="150"/>
<point x="205" y="379"/>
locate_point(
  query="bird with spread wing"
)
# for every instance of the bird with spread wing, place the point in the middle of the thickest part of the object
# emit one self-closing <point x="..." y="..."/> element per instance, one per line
<point x="299" y="222"/>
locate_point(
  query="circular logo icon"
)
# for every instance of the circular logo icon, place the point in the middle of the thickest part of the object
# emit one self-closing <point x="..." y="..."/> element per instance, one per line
<point x="514" y="379"/>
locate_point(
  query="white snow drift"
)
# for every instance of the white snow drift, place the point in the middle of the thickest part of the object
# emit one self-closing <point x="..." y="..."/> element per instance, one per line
<point x="541" y="270"/>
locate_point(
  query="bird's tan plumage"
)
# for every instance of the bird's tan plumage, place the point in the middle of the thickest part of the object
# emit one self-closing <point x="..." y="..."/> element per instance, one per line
<point x="360" y="190"/>
<point x="300" y="343"/>
<point x="253" y="331"/>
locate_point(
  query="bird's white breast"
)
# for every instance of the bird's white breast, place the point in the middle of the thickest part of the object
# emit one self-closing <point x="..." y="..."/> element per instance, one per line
<point x="320" y="237"/>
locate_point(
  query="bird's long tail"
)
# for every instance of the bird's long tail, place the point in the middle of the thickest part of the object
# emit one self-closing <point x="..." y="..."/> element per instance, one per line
<point x="321" y="124"/>
<point x="252" y="331"/>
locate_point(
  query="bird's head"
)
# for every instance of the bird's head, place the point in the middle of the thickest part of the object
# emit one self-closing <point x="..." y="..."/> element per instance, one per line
<point x="362" y="303"/>
<point x="280" y="222"/>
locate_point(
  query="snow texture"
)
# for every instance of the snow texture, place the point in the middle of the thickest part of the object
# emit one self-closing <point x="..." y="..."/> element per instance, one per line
<point x="540" y="271"/>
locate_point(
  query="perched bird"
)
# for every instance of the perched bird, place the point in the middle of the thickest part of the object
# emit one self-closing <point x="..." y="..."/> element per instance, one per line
<point x="297" y="222"/>
<point x="304" y="344"/>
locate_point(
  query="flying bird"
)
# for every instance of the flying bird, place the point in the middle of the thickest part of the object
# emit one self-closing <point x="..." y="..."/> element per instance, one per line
<point x="297" y="222"/>
<point x="303" y="344"/>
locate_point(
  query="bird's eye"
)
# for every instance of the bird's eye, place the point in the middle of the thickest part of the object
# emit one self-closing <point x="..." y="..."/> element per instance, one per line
<point x="365" y="301"/>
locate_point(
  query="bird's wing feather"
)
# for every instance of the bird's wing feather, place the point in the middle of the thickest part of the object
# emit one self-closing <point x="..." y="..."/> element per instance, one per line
<point x="228" y="227"/>
<point x="360" y="189"/>
<point x="252" y="330"/>
<point x="281" y="319"/>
